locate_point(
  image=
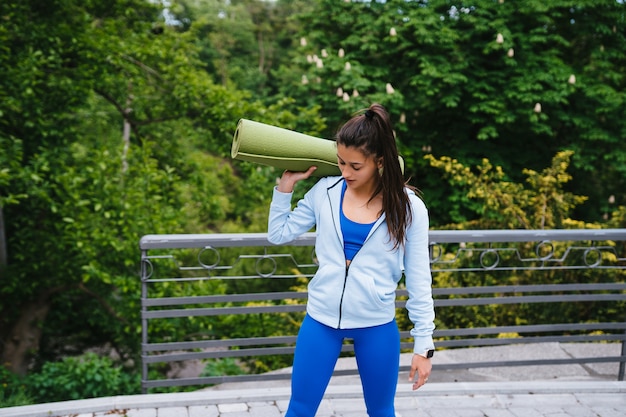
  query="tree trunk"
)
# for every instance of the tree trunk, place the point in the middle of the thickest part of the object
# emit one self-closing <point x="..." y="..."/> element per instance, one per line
<point x="3" y="242"/>
<point x="23" y="339"/>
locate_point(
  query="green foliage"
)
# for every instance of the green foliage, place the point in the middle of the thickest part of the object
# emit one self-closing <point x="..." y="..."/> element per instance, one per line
<point x="86" y="376"/>
<point x="13" y="390"/>
<point x="225" y="366"/>
<point x="99" y="148"/>
<point x="513" y="82"/>
<point x="10" y="158"/>
<point x="543" y="204"/>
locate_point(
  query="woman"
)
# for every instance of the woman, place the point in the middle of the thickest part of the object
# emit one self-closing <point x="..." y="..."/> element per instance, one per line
<point x="370" y="228"/>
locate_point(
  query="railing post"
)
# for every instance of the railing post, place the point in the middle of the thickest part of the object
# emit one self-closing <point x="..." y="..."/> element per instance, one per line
<point x="622" y="363"/>
<point x="144" y="323"/>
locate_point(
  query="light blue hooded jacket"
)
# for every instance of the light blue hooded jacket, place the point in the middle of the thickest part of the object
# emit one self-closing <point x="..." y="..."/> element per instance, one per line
<point x="362" y="295"/>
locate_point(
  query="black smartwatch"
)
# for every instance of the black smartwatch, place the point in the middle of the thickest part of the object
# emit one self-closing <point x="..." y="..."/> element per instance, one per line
<point x="428" y="354"/>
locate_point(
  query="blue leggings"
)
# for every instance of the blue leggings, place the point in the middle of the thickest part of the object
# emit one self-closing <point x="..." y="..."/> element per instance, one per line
<point x="377" y="351"/>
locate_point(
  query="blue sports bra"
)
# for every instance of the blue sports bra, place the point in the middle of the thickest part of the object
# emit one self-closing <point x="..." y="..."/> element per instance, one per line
<point x="354" y="233"/>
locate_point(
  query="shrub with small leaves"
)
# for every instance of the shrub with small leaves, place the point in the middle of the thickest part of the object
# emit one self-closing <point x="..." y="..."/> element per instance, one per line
<point x="85" y="376"/>
<point x="13" y="391"/>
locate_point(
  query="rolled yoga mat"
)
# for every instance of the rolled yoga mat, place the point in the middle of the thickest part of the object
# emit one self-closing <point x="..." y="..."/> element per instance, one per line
<point x="282" y="148"/>
<point x="285" y="149"/>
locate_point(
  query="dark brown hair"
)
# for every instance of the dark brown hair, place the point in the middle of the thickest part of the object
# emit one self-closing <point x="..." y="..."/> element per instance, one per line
<point x="371" y="131"/>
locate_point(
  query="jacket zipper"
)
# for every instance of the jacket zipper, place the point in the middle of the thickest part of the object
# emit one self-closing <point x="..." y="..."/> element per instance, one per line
<point x="343" y="291"/>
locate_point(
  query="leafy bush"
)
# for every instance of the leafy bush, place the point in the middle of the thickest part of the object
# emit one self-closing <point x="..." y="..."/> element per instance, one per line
<point x="85" y="376"/>
<point x="226" y="366"/>
<point x="13" y="391"/>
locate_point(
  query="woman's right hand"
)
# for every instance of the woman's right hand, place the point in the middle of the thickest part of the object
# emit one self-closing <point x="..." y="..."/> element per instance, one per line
<point x="290" y="178"/>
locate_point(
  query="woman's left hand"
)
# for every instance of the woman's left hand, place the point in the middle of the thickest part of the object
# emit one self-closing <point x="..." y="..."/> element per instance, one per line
<point x="422" y="367"/>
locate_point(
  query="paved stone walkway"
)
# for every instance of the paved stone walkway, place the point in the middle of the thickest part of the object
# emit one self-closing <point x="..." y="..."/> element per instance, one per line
<point x="474" y="399"/>
<point x="560" y="391"/>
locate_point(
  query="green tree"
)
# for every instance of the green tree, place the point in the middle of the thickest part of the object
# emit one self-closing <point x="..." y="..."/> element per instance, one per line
<point x="108" y="121"/>
<point x="514" y="82"/>
<point x="243" y="41"/>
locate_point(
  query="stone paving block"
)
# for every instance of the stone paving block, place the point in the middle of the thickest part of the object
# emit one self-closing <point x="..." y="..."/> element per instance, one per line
<point x="472" y="412"/>
<point x="406" y="403"/>
<point x="460" y="402"/>
<point x="261" y="403"/>
<point x="602" y="400"/>
<point x="238" y="414"/>
<point x="283" y="404"/>
<point x="451" y="412"/>
<point x="525" y="412"/>
<point x="578" y="411"/>
<point x="111" y="413"/>
<point x="412" y="413"/>
<point x="342" y="405"/>
<point x="493" y="412"/>
<point x="141" y="412"/>
<point x="444" y="412"/>
<point x="172" y="412"/>
<point x="350" y="414"/>
<point x="232" y="407"/>
<point x="610" y="412"/>
<point x="264" y="410"/>
<point x="325" y="408"/>
<point x="537" y="401"/>
<point x="203" y="411"/>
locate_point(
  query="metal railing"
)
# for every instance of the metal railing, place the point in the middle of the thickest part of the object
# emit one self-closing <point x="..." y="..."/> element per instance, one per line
<point x="195" y="286"/>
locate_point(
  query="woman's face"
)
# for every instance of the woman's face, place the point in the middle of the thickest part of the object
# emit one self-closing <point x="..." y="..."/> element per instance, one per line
<point x="359" y="170"/>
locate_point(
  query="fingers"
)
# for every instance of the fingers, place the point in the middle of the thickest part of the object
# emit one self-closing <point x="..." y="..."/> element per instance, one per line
<point x="290" y="178"/>
<point x="306" y="174"/>
<point x="421" y="368"/>
<point x="421" y="381"/>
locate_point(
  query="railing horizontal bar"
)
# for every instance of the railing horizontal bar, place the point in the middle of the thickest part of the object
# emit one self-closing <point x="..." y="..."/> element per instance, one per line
<point x="218" y="343"/>
<point x="213" y="380"/>
<point x="207" y="312"/>
<point x="528" y="299"/>
<point x="235" y="353"/>
<point x="183" y="241"/>
<point x="530" y="268"/>
<point x="526" y="288"/>
<point x="225" y="278"/>
<point x="221" y="240"/>
<point x="459" y="236"/>
<point x="434" y="271"/>
<point x="470" y="301"/>
<point x="529" y="329"/>
<point x="209" y="299"/>
<point x="525" y="340"/>
<point x="228" y="298"/>
<point x="529" y="362"/>
<point x="289" y="350"/>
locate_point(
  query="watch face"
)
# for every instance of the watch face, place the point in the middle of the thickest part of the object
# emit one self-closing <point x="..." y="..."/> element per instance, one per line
<point x="430" y="353"/>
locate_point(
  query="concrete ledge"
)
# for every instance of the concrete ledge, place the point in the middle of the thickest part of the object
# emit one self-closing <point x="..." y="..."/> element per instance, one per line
<point x="209" y="397"/>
